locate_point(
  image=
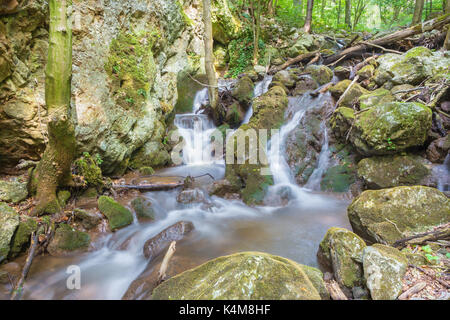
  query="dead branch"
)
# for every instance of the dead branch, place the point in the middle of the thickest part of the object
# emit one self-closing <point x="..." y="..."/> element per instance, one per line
<point x="413" y="290"/>
<point x="380" y="47"/>
<point x="334" y="290"/>
<point x="292" y="61"/>
<point x="164" y="265"/>
<point x="346" y="91"/>
<point x="440" y="233"/>
<point x="445" y="284"/>
<point x="150" y="187"/>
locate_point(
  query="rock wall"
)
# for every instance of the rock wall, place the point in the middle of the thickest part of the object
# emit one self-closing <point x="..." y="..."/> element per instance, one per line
<point x="127" y="58"/>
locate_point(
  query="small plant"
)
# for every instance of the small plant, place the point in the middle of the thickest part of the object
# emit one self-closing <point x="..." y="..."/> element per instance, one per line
<point x="142" y="92"/>
<point x="391" y="145"/>
<point x="129" y="100"/>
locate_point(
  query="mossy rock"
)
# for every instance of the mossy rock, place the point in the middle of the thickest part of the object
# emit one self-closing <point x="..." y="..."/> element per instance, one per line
<point x="13" y="191"/>
<point x="322" y="74"/>
<point x="352" y="95"/>
<point x="366" y="72"/>
<point x="88" y="219"/>
<point x="243" y="91"/>
<point x="146" y="171"/>
<point x="63" y="196"/>
<point x="391" y="128"/>
<point x="118" y="216"/>
<point x="379" y="96"/>
<point x="285" y="78"/>
<point x="225" y="25"/>
<point x="235" y="115"/>
<point x="88" y="168"/>
<point x="342" y="72"/>
<point x="21" y="238"/>
<point x="341" y="251"/>
<point x="341" y="121"/>
<point x="241" y="276"/>
<point x="143" y="208"/>
<point x="67" y="241"/>
<point x="389" y="215"/>
<point x="392" y="171"/>
<point x="304" y="85"/>
<point x="9" y="221"/>
<point x="384" y="269"/>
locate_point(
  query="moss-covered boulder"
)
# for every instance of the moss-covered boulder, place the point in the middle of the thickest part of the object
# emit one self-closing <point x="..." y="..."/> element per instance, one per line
<point x="392" y="171"/>
<point x="88" y="167"/>
<point x="304" y="85"/>
<point x="391" y="128"/>
<point x="246" y="275"/>
<point x="235" y="115"/>
<point x="371" y="99"/>
<point x="342" y="72"/>
<point x="366" y="72"/>
<point x="225" y="25"/>
<point x="88" y="219"/>
<point x="13" y="191"/>
<point x="243" y="91"/>
<point x="285" y="77"/>
<point x="21" y="238"/>
<point x="322" y="74"/>
<point x="9" y="221"/>
<point x="118" y="216"/>
<point x="388" y="215"/>
<point x="68" y="241"/>
<point x="341" y="251"/>
<point x="341" y="121"/>
<point x="143" y="208"/>
<point x="384" y="268"/>
<point x="351" y="96"/>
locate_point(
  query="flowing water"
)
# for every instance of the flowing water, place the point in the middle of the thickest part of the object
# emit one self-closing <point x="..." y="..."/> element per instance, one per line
<point x="292" y="229"/>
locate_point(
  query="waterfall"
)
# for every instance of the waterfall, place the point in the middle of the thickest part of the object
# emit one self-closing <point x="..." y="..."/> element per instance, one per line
<point x="260" y="88"/>
<point x="441" y="172"/>
<point x="323" y="163"/>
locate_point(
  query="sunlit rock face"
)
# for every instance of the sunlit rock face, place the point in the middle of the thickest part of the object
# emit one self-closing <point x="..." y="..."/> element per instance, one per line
<point x="127" y="56"/>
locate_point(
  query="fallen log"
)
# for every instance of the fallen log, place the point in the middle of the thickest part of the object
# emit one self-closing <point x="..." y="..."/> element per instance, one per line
<point x="399" y="35"/>
<point x="335" y="291"/>
<point x="165" y="264"/>
<point x="440" y="233"/>
<point x="292" y="61"/>
<point x="149" y="187"/>
<point x="413" y="290"/>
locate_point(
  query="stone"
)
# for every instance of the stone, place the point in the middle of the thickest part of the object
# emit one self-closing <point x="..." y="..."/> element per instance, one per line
<point x="285" y="78"/>
<point x="118" y="216"/>
<point x="438" y="150"/>
<point x="88" y="219"/>
<point x="225" y="25"/>
<point x="68" y="241"/>
<point x="379" y="96"/>
<point x="246" y="275"/>
<point x="13" y="191"/>
<point x="352" y="95"/>
<point x="191" y="196"/>
<point x="389" y="215"/>
<point x="143" y="208"/>
<point x="243" y="91"/>
<point x="384" y="268"/>
<point x="342" y="72"/>
<point x="322" y="74"/>
<point x="366" y="72"/>
<point x="9" y="221"/>
<point x="304" y="85"/>
<point x="22" y="236"/>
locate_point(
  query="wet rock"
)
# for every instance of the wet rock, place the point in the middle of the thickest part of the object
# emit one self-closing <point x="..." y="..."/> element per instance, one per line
<point x="225" y="25"/>
<point x="388" y="215"/>
<point x="360" y="293"/>
<point x="221" y="188"/>
<point x="118" y="216"/>
<point x="379" y="96"/>
<point x="22" y="236"/>
<point x="341" y="251"/>
<point x="393" y="171"/>
<point x="221" y="57"/>
<point x="366" y="72"/>
<point x="438" y="150"/>
<point x="9" y="221"/>
<point x="342" y="72"/>
<point x="246" y="275"/>
<point x="13" y="191"/>
<point x="304" y="85"/>
<point x="352" y="95"/>
<point x="68" y="241"/>
<point x="143" y="208"/>
<point x="88" y="219"/>
<point x="243" y="91"/>
<point x="235" y="115"/>
<point x="322" y="74"/>
<point x="191" y="196"/>
<point x="285" y="78"/>
<point x="384" y="268"/>
<point x="154" y="246"/>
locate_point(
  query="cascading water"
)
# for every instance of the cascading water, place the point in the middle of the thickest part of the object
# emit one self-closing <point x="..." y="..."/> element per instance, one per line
<point x="260" y="88"/>
<point x="441" y="172"/>
<point x="323" y="163"/>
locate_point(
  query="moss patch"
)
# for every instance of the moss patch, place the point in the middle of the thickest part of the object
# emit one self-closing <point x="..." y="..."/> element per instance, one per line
<point x="118" y="216"/>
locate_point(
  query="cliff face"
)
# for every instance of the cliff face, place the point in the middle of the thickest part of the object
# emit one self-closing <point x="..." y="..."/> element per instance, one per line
<point x="128" y="56"/>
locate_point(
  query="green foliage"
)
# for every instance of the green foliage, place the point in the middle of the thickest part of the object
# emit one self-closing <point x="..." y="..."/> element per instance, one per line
<point x="88" y="167"/>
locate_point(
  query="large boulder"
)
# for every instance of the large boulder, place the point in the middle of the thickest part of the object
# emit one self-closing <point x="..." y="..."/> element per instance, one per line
<point x="118" y="216"/>
<point x="225" y="25"/>
<point x="9" y="221"/>
<point x="386" y="128"/>
<point x="243" y="91"/>
<point x="21" y="238"/>
<point x="322" y="74"/>
<point x="384" y="268"/>
<point x="392" y="171"/>
<point x="246" y="275"/>
<point x="352" y="95"/>
<point x="13" y="191"/>
<point x="341" y="251"/>
<point x="68" y="241"/>
<point x="388" y="215"/>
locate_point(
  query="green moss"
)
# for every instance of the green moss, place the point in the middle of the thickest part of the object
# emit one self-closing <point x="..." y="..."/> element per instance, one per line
<point x="118" y="216"/>
<point x="63" y="196"/>
<point x="374" y="98"/>
<point x="21" y="238"/>
<point x="322" y="74"/>
<point x="88" y="167"/>
<point x="243" y="90"/>
<point x="68" y="239"/>
<point x="146" y="171"/>
<point x="143" y="208"/>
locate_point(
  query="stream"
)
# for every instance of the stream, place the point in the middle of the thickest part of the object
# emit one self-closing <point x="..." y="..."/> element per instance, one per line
<point x="292" y="229"/>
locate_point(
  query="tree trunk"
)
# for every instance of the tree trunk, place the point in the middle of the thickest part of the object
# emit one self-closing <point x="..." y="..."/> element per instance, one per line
<point x="338" y="22"/>
<point x="53" y="170"/>
<point x="309" y="13"/>
<point x="256" y="26"/>
<point x="209" y="56"/>
<point x="417" y="17"/>
<point x="447" y="7"/>
<point x="322" y="10"/>
<point x="348" y="13"/>
<point x="447" y="40"/>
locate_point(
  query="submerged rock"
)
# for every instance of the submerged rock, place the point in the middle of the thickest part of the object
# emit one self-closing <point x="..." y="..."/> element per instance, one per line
<point x="68" y="241"/>
<point x="191" y="196"/>
<point x="393" y="171"/>
<point x="9" y="221"/>
<point x="13" y="191"/>
<point x="118" y="216"/>
<point x="384" y="268"/>
<point x="341" y="251"/>
<point x="143" y="208"/>
<point x="389" y="215"/>
<point x="246" y="275"/>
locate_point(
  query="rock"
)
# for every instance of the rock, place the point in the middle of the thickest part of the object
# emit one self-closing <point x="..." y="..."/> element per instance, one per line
<point x="352" y="95"/>
<point x="152" y="154"/>
<point x="143" y="208"/>
<point x="360" y="293"/>
<point x="259" y="69"/>
<point x="88" y="219"/>
<point x="341" y="122"/>
<point x="371" y="99"/>
<point x="191" y="196"/>
<point x="118" y="216"/>
<point x="342" y="72"/>
<point x="316" y="278"/>
<point x="393" y="171"/>
<point x="146" y="171"/>
<point x="341" y="251"/>
<point x="366" y="72"/>
<point x="243" y="91"/>
<point x="235" y="115"/>
<point x="221" y="56"/>
<point x="388" y="215"/>
<point x="9" y="221"/>
<point x="222" y="187"/>
<point x="154" y="246"/>
<point x="403" y="91"/>
<point x="384" y="268"/>
<point x="88" y="167"/>
<point x="304" y="85"/>
<point x="385" y="129"/>
<point x="225" y="25"/>
<point x="285" y="78"/>
<point x="438" y="150"/>
<point x="322" y="74"/>
<point x="68" y="241"/>
<point x="13" y="191"/>
<point x="22" y="236"/>
<point x="63" y="196"/>
<point x="246" y="275"/>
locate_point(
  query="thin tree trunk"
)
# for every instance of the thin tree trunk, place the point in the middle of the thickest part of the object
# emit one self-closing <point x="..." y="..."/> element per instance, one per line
<point x="53" y="170"/>
<point x="339" y="13"/>
<point x="256" y="25"/>
<point x="417" y="17"/>
<point x="322" y="10"/>
<point x="209" y="56"/>
<point x="447" y="7"/>
<point x="348" y="13"/>
<point x="447" y="39"/>
<point x="309" y="13"/>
